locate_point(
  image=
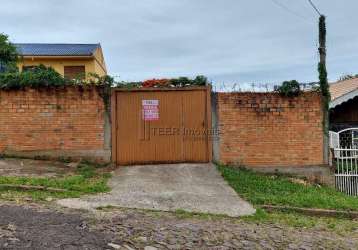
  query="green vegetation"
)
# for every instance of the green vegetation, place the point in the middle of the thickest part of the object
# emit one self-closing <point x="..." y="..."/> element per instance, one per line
<point x="8" y="55"/>
<point x="166" y="83"/>
<point x="345" y="166"/>
<point x="37" y="77"/>
<point x="323" y="77"/>
<point x="323" y="82"/>
<point x="289" y="88"/>
<point x="339" y="225"/>
<point x="86" y="181"/>
<point x="296" y="220"/>
<point x="182" y="214"/>
<point x="261" y="189"/>
<point x="46" y="77"/>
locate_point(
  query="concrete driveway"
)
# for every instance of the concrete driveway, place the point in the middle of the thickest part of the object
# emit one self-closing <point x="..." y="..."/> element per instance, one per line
<point x="168" y="187"/>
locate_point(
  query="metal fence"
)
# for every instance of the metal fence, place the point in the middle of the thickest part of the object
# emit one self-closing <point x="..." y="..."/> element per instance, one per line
<point x="344" y="145"/>
<point x="346" y="170"/>
<point x="257" y="87"/>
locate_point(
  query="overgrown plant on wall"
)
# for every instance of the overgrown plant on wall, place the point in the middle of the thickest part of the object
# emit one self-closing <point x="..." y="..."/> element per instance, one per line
<point x="105" y="84"/>
<point x="37" y="77"/>
<point x="323" y="83"/>
<point x="322" y="70"/>
<point x="46" y="77"/>
<point x="289" y="88"/>
<point x="180" y="82"/>
<point x="42" y="77"/>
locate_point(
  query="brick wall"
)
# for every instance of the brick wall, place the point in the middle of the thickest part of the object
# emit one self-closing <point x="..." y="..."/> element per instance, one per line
<point x="53" y="123"/>
<point x="267" y="130"/>
<point x="258" y="130"/>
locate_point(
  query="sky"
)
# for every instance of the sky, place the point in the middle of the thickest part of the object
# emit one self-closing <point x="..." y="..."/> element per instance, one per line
<point x="229" y="41"/>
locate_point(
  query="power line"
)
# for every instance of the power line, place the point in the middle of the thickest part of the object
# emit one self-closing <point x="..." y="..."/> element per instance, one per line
<point x="314" y="7"/>
<point x="289" y="10"/>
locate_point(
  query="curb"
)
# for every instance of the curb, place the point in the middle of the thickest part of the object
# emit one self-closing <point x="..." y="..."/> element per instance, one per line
<point x="312" y="211"/>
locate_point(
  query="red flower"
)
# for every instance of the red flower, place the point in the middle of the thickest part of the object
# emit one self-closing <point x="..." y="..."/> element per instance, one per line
<point x="155" y="83"/>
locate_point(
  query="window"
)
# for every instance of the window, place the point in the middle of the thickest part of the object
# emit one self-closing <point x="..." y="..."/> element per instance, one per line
<point x="73" y="72"/>
<point x="28" y="68"/>
<point x="2" y="67"/>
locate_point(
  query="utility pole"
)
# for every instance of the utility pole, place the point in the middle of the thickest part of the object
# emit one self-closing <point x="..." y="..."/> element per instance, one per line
<point x="323" y="81"/>
<point x="324" y="86"/>
<point x="322" y="40"/>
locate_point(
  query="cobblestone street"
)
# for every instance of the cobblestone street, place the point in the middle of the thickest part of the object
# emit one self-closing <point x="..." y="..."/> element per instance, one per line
<point x="23" y="227"/>
<point x="167" y="231"/>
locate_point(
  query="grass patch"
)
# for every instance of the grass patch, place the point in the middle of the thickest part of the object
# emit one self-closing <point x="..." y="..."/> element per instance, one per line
<point x="182" y="214"/>
<point x="85" y="181"/>
<point x="262" y="189"/>
<point x="341" y="226"/>
<point x="338" y="225"/>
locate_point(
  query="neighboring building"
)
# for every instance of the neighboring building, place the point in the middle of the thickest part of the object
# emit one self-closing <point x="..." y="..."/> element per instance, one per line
<point x="344" y="104"/>
<point x="70" y="60"/>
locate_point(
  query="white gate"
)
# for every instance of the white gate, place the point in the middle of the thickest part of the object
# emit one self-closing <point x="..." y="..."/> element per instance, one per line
<point x="344" y="145"/>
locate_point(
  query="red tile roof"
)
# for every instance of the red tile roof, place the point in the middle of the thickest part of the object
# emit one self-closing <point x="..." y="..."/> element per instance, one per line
<point x="342" y="88"/>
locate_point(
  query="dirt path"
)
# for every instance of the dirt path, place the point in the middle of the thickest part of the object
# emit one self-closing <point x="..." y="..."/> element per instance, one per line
<point x="24" y="227"/>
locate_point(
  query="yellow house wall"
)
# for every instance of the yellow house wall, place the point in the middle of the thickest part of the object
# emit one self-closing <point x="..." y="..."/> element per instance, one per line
<point x="99" y="63"/>
<point x="59" y="63"/>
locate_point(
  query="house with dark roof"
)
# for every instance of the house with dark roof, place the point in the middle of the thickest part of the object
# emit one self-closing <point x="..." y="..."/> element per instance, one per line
<point x="70" y="60"/>
<point x="344" y="104"/>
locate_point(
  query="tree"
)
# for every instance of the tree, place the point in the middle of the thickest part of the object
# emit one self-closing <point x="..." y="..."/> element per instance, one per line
<point x="289" y="88"/>
<point x="8" y="54"/>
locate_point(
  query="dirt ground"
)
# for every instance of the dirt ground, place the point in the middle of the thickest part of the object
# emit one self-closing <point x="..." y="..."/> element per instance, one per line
<point x="49" y="227"/>
<point x="34" y="168"/>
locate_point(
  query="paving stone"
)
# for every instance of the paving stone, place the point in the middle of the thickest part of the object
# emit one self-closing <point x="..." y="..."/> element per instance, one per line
<point x="114" y="246"/>
<point x="150" y="248"/>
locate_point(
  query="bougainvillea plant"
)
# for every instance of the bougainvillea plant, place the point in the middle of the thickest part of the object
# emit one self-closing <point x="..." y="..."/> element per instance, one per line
<point x="156" y="83"/>
<point x="174" y="82"/>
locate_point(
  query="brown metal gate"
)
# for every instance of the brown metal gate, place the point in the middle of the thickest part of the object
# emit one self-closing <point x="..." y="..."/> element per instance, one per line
<point x="161" y="125"/>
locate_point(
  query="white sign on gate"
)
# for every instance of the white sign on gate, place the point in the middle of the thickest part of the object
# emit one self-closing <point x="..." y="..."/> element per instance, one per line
<point x="150" y="110"/>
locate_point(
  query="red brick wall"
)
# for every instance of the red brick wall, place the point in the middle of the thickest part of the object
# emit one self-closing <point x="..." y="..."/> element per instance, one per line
<point x="260" y="129"/>
<point x="52" y="122"/>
